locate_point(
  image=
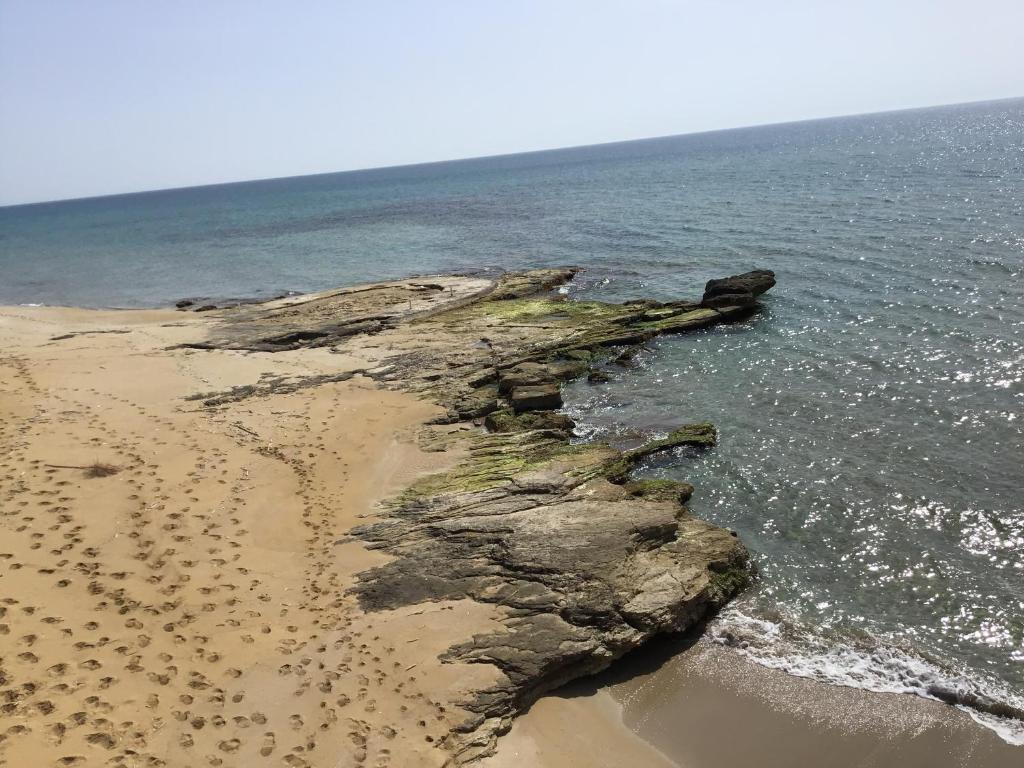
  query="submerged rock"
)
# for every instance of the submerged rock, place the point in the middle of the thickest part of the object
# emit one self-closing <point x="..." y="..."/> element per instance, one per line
<point x="627" y="356"/>
<point x="702" y="435"/>
<point x="587" y="570"/>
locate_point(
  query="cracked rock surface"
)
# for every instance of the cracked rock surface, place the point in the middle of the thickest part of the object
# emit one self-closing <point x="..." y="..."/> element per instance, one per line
<point x="585" y="562"/>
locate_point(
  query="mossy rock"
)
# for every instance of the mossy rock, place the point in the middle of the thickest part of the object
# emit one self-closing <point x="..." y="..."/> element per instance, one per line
<point x="582" y="355"/>
<point x="529" y="374"/>
<point x="553" y="311"/>
<point x="507" y="420"/>
<point x="728" y="582"/>
<point x="702" y="435"/>
<point x="662" y="490"/>
<point x="682" y="321"/>
<point x="496" y="459"/>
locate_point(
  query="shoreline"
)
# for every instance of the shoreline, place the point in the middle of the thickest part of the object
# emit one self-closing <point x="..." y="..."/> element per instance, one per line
<point x="693" y="703"/>
<point x="295" y="481"/>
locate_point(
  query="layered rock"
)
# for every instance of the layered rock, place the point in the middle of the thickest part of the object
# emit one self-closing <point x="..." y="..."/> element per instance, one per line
<point x="586" y="562"/>
<point x="738" y="290"/>
<point x="588" y="569"/>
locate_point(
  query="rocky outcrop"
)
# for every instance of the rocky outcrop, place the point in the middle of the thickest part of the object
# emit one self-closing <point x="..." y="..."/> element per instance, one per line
<point x="539" y="397"/>
<point x="587" y="569"/>
<point x="507" y="420"/>
<point x="585" y="561"/>
<point x="738" y="290"/>
<point x="699" y="436"/>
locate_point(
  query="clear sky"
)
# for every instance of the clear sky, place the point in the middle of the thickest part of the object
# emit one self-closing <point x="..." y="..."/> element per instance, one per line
<point x="105" y="96"/>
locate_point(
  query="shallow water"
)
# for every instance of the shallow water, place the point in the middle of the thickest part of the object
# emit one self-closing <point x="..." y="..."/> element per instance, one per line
<point x="870" y="417"/>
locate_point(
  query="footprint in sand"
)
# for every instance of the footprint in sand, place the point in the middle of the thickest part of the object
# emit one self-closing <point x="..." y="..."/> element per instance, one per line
<point x="269" y="744"/>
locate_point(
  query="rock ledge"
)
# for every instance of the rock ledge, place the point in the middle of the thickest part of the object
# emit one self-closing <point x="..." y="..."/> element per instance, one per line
<point x="585" y="562"/>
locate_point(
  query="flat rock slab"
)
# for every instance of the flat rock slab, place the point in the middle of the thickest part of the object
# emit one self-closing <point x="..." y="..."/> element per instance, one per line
<point x="540" y="397"/>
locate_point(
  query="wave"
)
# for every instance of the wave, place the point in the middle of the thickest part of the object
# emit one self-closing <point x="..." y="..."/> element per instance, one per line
<point x="868" y="665"/>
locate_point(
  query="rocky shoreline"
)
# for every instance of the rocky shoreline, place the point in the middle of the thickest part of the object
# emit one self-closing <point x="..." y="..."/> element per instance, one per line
<point x="345" y="529"/>
<point x="586" y="564"/>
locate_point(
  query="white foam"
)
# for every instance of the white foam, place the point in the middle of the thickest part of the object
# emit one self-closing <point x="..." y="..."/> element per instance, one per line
<point x="872" y="667"/>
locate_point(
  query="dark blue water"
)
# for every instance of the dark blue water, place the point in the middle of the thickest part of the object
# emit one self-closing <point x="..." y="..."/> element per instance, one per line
<point x="871" y="453"/>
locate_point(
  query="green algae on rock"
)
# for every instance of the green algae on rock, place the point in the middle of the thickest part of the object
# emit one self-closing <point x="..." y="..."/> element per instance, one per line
<point x="586" y="563"/>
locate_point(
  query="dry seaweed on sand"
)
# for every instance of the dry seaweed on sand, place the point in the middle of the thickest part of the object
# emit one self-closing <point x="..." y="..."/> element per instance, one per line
<point x="96" y="469"/>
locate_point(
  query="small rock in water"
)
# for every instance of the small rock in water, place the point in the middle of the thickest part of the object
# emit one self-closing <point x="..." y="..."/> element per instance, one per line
<point x="737" y="290"/>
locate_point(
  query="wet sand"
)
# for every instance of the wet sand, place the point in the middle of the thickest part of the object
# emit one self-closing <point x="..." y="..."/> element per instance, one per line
<point x="696" y="704"/>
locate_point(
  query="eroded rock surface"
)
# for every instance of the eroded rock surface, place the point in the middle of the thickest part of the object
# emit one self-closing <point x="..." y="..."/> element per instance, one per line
<point x="585" y="562"/>
<point x="588" y="569"/>
<point x="738" y="290"/>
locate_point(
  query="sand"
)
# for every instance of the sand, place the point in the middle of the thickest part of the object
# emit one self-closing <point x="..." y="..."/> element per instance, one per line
<point x="696" y="704"/>
<point x="173" y="586"/>
<point x="189" y="608"/>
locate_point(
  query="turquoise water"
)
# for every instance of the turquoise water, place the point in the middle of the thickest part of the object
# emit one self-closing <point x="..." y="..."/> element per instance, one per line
<point x="871" y="435"/>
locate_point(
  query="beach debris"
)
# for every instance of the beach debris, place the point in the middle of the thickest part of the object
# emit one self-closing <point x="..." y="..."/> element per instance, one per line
<point x="96" y="469"/>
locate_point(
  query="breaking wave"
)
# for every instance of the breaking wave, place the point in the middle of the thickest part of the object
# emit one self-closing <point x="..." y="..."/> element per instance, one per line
<point x="864" y="664"/>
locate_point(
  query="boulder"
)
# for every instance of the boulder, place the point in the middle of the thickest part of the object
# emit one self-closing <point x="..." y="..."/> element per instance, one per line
<point x="531" y="374"/>
<point x="516" y="285"/>
<point x="543" y="397"/>
<point x="737" y="290"/>
<point x="507" y="421"/>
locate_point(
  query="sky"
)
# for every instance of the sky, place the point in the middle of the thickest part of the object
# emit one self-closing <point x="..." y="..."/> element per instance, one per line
<point x="111" y="96"/>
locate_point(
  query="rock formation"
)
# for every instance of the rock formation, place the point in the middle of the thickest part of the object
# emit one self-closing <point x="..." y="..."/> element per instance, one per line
<point x="587" y="563"/>
<point x="738" y="290"/>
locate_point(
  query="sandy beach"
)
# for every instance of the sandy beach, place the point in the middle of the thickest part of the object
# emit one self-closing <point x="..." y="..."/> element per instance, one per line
<point x="189" y="609"/>
<point x="176" y="578"/>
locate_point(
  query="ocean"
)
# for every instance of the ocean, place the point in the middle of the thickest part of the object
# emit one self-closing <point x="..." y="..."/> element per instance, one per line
<point x="871" y="436"/>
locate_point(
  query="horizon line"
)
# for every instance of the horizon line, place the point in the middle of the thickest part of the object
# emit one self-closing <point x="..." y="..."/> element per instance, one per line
<point x="499" y="155"/>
